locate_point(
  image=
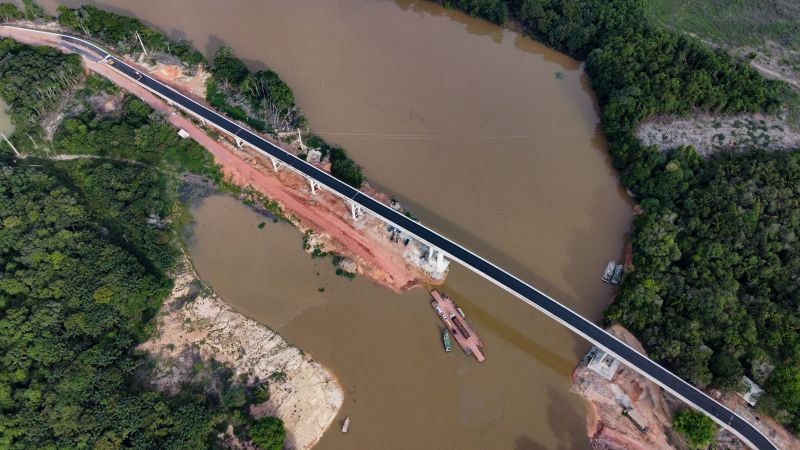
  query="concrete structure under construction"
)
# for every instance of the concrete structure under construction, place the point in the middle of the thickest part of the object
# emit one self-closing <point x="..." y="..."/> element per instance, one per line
<point x="603" y="364"/>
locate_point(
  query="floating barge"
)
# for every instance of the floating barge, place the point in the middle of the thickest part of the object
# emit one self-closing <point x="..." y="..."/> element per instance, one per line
<point x="456" y="325"/>
<point x="613" y="272"/>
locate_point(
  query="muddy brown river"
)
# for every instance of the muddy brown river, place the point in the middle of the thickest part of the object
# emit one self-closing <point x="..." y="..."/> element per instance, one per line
<point x="488" y="137"/>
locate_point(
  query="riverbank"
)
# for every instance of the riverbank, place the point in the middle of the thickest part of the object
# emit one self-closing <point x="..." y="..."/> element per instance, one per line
<point x="609" y="428"/>
<point x="198" y="335"/>
<point x="194" y="324"/>
<point x="365" y="242"/>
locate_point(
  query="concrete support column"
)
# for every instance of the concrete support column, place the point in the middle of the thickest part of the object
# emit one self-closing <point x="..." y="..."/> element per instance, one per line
<point x="430" y="252"/>
<point x="314" y="185"/>
<point x="239" y="142"/>
<point x="276" y="165"/>
<point x="356" y="210"/>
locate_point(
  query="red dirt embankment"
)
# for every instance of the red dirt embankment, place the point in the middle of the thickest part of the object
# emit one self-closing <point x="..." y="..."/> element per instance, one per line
<point x="609" y="429"/>
<point x="364" y="241"/>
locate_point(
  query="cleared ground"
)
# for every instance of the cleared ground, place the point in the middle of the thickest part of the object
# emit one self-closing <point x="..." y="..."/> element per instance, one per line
<point x="765" y="33"/>
<point x="736" y="23"/>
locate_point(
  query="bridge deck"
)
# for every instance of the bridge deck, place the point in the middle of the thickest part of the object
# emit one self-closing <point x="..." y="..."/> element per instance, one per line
<point x="527" y="293"/>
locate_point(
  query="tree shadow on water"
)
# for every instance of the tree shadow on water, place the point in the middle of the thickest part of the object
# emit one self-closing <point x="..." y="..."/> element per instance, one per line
<point x="526" y="443"/>
<point x="568" y="426"/>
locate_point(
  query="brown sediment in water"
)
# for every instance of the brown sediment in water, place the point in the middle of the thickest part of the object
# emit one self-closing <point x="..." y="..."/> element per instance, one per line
<point x="364" y="241"/>
<point x="470" y="127"/>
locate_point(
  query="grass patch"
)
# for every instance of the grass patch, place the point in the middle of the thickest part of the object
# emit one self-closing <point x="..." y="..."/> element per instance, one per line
<point x="732" y="22"/>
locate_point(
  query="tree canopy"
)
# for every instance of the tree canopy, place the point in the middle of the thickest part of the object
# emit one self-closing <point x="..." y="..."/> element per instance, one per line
<point x="713" y="288"/>
<point x="9" y="11"/>
<point x="120" y="32"/>
<point x="495" y="11"/>
<point x="34" y="79"/>
<point x="697" y="427"/>
<point x="85" y="248"/>
<point x="268" y="433"/>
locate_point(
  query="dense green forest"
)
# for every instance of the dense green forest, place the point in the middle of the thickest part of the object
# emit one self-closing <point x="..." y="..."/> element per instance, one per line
<point x="713" y="290"/>
<point x="32" y="80"/>
<point x="260" y="99"/>
<point x="85" y="248"/>
<point x="234" y="86"/>
<point x="121" y="32"/>
<point x="495" y="11"/>
<point x="697" y="427"/>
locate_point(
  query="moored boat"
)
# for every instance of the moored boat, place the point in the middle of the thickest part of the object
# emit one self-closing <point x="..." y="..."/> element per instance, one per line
<point x="609" y="272"/>
<point x="617" y="277"/>
<point x="456" y="326"/>
<point x="346" y="424"/>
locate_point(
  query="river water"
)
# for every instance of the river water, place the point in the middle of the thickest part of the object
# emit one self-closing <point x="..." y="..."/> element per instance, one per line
<point x="488" y="137"/>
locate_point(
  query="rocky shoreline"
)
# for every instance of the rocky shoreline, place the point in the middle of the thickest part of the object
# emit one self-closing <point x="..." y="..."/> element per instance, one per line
<point x="195" y="325"/>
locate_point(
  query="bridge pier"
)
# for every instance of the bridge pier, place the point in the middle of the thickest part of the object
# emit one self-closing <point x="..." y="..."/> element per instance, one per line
<point x="239" y="142"/>
<point x="314" y="185"/>
<point x="441" y="263"/>
<point x="356" y="210"/>
<point x="276" y="165"/>
<point x="436" y="258"/>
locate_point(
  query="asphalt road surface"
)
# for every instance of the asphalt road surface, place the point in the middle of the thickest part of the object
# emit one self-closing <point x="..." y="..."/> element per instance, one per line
<point x="500" y="277"/>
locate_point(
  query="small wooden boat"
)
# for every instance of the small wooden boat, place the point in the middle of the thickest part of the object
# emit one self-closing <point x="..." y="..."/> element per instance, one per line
<point x="346" y="424"/>
<point x="446" y="340"/>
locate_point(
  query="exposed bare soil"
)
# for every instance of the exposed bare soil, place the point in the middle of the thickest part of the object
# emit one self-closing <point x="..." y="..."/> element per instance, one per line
<point x="712" y="134"/>
<point x="365" y="241"/>
<point x="774" y="61"/>
<point x="609" y="429"/>
<point x="195" y="324"/>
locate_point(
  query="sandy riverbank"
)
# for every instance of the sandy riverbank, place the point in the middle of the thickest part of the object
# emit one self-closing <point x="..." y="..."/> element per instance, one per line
<point x="366" y="242"/>
<point x="195" y="324"/>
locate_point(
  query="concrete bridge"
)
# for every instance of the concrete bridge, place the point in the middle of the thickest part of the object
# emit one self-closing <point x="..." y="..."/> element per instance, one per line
<point x="440" y="248"/>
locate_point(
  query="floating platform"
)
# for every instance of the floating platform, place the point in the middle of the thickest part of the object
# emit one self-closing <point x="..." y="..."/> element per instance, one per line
<point x="456" y="325"/>
<point x="613" y="272"/>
